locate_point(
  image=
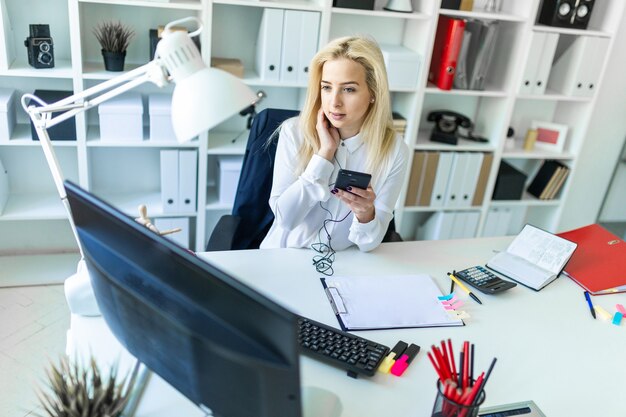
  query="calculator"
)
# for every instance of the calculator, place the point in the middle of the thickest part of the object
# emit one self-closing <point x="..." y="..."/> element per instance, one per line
<point x="484" y="280"/>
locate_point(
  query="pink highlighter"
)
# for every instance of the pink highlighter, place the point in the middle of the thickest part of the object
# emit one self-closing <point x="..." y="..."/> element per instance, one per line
<point x="403" y="361"/>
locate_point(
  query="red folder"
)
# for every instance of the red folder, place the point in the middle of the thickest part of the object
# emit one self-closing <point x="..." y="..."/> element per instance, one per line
<point x="446" y="49"/>
<point x="599" y="262"/>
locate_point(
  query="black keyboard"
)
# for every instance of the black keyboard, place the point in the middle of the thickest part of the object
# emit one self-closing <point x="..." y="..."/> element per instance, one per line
<point x="327" y="344"/>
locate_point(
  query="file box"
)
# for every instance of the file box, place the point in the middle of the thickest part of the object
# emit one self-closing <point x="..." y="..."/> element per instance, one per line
<point x="7" y="113"/>
<point x="121" y="118"/>
<point x="403" y="66"/>
<point x="160" y="110"/>
<point x="229" y="171"/>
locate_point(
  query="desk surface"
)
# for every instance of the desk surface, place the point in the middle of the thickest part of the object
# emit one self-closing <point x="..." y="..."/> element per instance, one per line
<point x="549" y="348"/>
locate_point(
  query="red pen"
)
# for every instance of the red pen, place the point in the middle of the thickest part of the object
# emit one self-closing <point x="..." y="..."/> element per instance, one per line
<point x="451" y="353"/>
<point x="465" y="364"/>
<point x="446" y="358"/>
<point x="441" y="361"/>
<point x="441" y="377"/>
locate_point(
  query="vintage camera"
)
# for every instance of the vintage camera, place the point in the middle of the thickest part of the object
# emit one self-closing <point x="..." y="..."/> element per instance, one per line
<point x="40" y="47"/>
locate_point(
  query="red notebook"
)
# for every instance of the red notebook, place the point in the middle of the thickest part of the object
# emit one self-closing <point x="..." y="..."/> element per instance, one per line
<point x="446" y="49"/>
<point x="599" y="262"/>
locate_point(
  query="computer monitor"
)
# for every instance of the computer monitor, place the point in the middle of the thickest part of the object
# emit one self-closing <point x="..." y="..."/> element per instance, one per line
<point x="220" y="343"/>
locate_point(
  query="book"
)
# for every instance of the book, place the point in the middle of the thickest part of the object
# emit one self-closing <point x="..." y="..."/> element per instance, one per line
<point x="448" y="40"/>
<point x="547" y="189"/>
<point x="545" y="177"/>
<point x="535" y="258"/>
<point x="599" y="263"/>
<point x="374" y="302"/>
<point x="559" y="183"/>
<point x="399" y="123"/>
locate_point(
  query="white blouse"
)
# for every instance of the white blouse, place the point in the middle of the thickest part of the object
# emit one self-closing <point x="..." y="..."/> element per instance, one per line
<point x="302" y="203"/>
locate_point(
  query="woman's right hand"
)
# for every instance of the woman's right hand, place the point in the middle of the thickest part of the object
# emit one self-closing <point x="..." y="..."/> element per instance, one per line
<point x="329" y="136"/>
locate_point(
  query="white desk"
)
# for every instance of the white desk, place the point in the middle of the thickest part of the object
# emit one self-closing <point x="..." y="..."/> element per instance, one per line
<point x="549" y="348"/>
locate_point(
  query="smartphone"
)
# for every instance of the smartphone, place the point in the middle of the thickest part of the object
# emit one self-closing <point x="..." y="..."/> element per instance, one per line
<point x="346" y="178"/>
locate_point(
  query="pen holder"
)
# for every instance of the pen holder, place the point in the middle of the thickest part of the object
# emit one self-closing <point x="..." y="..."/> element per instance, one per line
<point x="446" y="406"/>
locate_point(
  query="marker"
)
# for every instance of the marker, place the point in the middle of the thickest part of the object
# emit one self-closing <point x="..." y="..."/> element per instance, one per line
<point x="593" y="311"/>
<point x="403" y="362"/>
<point x="464" y="288"/>
<point x="390" y="359"/>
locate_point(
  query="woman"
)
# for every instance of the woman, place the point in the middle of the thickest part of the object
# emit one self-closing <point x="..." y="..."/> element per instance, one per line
<point x="345" y="123"/>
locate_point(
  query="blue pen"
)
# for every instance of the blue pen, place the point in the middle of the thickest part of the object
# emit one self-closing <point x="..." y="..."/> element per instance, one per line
<point x="593" y="312"/>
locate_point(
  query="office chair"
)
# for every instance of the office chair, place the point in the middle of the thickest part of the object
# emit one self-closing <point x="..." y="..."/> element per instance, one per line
<point x="252" y="217"/>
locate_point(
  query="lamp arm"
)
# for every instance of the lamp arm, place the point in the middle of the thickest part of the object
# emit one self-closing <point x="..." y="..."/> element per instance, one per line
<point x="72" y="105"/>
<point x="57" y="176"/>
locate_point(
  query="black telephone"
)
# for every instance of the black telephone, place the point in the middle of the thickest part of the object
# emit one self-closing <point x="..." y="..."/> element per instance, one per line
<point x="447" y="124"/>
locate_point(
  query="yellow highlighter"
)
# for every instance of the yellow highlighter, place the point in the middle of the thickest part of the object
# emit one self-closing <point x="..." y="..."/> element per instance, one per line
<point x="390" y="359"/>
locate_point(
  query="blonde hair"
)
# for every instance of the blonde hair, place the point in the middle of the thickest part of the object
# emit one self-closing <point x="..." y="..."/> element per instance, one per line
<point x="377" y="130"/>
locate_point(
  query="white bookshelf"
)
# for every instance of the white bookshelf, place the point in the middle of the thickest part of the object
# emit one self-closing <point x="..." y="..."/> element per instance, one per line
<point x="127" y="174"/>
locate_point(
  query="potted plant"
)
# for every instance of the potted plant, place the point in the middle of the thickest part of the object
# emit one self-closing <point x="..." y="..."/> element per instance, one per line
<point x="77" y="391"/>
<point x="114" y="38"/>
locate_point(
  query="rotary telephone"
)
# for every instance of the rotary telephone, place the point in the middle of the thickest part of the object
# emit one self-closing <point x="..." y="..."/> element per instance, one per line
<point x="447" y="124"/>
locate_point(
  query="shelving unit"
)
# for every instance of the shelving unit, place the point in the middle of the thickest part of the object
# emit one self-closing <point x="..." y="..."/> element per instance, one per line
<point x="128" y="174"/>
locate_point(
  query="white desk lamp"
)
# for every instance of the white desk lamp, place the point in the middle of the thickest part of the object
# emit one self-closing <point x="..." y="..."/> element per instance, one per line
<point x="203" y="97"/>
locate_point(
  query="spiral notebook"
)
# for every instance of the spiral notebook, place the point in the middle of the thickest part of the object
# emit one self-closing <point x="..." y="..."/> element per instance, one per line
<point x="387" y="302"/>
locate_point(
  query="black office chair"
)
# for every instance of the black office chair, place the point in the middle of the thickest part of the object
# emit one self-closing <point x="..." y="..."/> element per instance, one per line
<point x="252" y="217"/>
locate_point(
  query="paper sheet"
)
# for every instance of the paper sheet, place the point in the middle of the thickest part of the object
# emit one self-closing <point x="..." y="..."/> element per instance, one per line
<point x="379" y="302"/>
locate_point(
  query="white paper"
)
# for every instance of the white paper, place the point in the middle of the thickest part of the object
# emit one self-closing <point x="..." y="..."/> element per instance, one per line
<point x="379" y="302"/>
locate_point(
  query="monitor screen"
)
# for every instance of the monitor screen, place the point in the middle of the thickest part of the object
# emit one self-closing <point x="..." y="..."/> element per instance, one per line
<point x="220" y="343"/>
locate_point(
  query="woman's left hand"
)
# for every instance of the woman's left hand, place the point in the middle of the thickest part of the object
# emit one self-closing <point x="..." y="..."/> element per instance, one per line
<point x="361" y="202"/>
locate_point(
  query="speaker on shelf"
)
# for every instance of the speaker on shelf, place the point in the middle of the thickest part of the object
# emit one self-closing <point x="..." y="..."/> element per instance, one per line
<point x="566" y="13"/>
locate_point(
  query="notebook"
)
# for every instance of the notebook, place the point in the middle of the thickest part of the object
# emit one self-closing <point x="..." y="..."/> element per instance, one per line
<point x="385" y="302"/>
<point x="535" y="257"/>
<point x="599" y="263"/>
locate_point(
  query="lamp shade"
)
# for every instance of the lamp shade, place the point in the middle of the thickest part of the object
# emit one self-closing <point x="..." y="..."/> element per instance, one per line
<point x="206" y="98"/>
<point x="203" y="97"/>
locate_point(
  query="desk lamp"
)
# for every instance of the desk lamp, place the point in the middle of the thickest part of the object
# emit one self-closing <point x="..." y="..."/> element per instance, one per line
<point x="203" y="97"/>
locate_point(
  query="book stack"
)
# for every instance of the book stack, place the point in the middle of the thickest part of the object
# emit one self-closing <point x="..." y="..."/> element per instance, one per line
<point x="399" y="123"/>
<point x="548" y="180"/>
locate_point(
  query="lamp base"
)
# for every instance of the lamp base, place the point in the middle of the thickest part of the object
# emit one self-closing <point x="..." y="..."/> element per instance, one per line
<point x="402" y="6"/>
<point x="79" y="293"/>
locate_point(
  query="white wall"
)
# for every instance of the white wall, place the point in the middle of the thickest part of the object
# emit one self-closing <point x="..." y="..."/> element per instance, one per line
<point x="605" y="136"/>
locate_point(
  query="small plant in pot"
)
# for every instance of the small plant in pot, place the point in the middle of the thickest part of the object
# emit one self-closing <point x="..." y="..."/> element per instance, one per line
<point x="114" y="38"/>
<point x="74" y="390"/>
